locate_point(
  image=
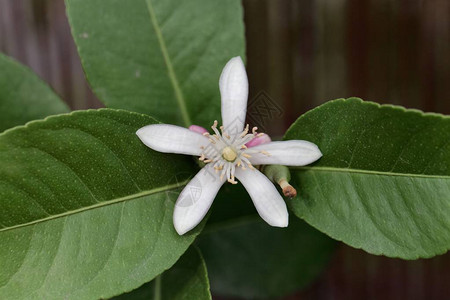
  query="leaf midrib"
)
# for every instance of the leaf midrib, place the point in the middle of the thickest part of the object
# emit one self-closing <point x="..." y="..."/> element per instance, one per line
<point x="100" y="204"/>
<point x="172" y="76"/>
<point x="369" y="172"/>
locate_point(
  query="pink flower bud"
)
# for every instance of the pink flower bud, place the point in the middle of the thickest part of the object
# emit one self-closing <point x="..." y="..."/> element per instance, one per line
<point x="264" y="139"/>
<point x="198" y="129"/>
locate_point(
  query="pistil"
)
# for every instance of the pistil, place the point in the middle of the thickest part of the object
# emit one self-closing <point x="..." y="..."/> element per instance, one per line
<point x="229" y="154"/>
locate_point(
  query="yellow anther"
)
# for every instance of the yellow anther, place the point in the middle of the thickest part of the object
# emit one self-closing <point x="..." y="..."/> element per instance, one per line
<point x="245" y="131"/>
<point x="232" y="181"/>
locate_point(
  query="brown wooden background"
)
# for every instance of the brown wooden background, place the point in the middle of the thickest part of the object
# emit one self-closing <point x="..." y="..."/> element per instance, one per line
<point x="302" y="53"/>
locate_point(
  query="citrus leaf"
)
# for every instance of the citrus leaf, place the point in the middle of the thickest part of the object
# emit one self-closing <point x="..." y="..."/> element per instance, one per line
<point x="187" y="279"/>
<point x="383" y="183"/>
<point x="158" y="57"/>
<point x="249" y="259"/>
<point x="24" y="96"/>
<point x="85" y="207"/>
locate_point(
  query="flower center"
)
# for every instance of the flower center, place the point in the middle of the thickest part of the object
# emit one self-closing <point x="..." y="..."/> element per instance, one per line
<point x="228" y="151"/>
<point x="229" y="154"/>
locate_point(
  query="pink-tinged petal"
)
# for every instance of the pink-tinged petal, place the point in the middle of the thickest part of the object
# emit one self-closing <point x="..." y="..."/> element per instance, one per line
<point x="196" y="199"/>
<point x="198" y="129"/>
<point x="172" y="139"/>
<point x="268" y="202"/>
<point x="233" y="85"/>
<point x="288" y="153"/>
<point x="263" y="139"/>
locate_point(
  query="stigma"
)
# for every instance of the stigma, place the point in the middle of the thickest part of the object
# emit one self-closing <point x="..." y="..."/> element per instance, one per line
<point x="229" y="154"/>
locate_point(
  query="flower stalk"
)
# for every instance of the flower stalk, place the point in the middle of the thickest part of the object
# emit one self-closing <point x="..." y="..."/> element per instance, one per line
<point x="281" y="175"/>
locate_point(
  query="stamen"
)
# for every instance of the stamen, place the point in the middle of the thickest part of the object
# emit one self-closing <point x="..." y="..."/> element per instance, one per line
<point x="232" y="181"/>
<point x="233" y="169"/>
<point x="228" y="151"/>
<point x="228" y="173"/>
<point x="245" y="131"/>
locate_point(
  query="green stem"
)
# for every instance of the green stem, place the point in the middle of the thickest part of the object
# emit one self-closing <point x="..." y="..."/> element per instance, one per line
<point x="157" y="292"/>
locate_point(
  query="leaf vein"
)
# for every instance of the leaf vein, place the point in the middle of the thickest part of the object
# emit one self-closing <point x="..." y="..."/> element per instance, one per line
<point x="101" y="204"/>
<point x="165" y="53"/>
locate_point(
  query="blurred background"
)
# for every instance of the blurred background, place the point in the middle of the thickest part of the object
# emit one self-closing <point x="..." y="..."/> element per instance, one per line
<point x="300" y="54"/>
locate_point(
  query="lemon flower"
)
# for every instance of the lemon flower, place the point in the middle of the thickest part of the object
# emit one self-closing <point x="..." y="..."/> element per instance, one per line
<point x="229" y="154"/>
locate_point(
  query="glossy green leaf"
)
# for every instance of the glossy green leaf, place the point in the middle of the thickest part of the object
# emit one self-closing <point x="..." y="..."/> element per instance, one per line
<point x="160" y="57"/>
<point x="85" y="207"/>
<point x="24" y="96"/>
<point x="186" y="280"/>
<point x="249" y="259"/>
<point x="383" y="183"/>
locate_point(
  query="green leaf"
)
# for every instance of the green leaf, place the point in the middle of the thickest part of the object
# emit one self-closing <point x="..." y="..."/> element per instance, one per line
<point x="383" y="183"/>
<point x="160" y="57"/>
<point x="85" y="207"/>
<point x="187" y="279"/>
<point x="249" y="259"/>
<point x="24" y="96"/>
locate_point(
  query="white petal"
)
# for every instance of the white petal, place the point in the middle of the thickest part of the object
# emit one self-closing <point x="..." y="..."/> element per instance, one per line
<point x="288" y="153"/>
<point x="233" y="85"/>
<point x="196" y="199"/>
<point x="268" y="202"/>
<point x="172" y="139"/>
